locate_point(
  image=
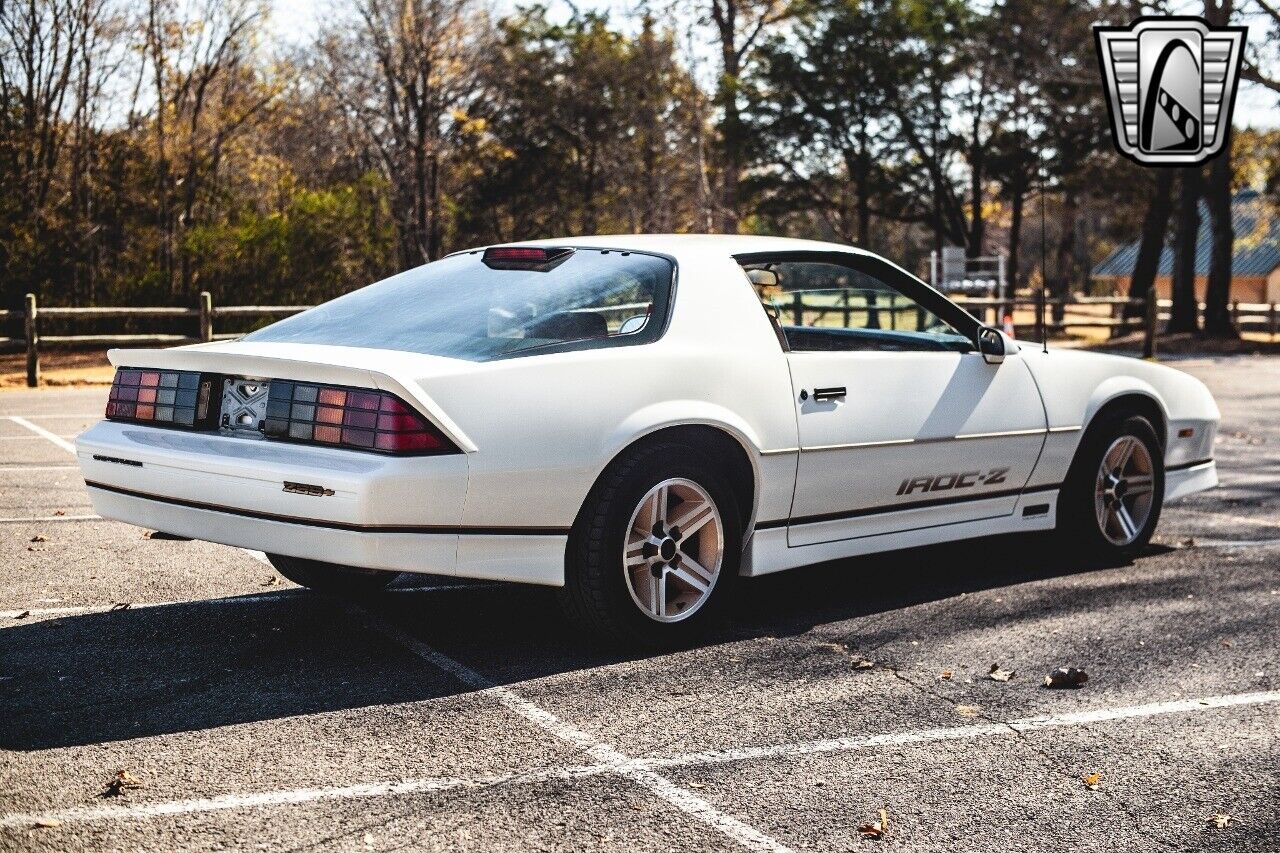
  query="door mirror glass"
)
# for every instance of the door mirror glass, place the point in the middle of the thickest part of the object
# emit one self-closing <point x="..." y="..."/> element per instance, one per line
<point x="991" y="345"/>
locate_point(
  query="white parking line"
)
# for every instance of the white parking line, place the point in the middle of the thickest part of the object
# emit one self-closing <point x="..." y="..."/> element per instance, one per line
<point x="143" y="811"/>
<point x="27" y="469"/>
<point x="682" y="798"/>
<point x="1026" y="724"/>
<point x="44" y="433"/>
<point x="32" y="519"/>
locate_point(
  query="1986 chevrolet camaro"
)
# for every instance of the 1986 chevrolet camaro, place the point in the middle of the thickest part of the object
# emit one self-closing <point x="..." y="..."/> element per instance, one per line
<point x="638" y="420"/>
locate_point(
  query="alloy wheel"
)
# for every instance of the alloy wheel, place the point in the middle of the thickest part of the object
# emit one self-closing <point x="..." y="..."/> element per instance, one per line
<point x="674" y="550"/>
<point x="1124" y="491"/>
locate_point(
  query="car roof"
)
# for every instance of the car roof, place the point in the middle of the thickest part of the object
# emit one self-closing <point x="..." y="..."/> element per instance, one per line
<point x="677" y="245"/>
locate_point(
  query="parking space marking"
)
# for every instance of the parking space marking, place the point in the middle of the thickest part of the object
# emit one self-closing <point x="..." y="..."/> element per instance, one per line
<point x="301" y="795"/>
<point x="41" y="519"/>
<point x="682" y="798"/>
<point x="29" y="468"/>
<point x="142" y="811"/>
<point x="999" y="729"/>
<point x="44" y="433"/>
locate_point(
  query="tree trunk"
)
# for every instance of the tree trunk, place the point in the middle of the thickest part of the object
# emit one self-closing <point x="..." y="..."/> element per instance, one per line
<point x="1154" y="226"/>
<point x="1217" y="292"/>
<point x="1066" y="254"/>
<point x="1017" y="200"/>
<point x="1182" y="317"/>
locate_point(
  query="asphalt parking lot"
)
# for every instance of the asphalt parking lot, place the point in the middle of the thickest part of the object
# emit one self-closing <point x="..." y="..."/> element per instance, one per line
<point x="462" y="716"/>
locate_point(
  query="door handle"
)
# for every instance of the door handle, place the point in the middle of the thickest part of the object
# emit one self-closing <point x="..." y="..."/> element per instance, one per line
<point x="823" y="394"/>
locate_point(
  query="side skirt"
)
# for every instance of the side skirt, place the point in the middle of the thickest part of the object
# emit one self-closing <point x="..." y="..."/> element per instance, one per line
<point x="768" y="552"/>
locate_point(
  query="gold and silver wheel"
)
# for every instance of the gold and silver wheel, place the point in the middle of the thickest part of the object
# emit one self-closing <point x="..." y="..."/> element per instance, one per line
<point x="674" y="550"/>
<point x="1124" y="490"/>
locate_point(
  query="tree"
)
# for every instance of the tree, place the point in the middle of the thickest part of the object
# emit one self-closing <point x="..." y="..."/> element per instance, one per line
<point x="1155" y="225"/>
<point x="739" y="26"/>
<point x="1217" y="294"/>
<point x="1183" y="316"/>
<point x="401" y="69"/>
<point x="821" y="103"/>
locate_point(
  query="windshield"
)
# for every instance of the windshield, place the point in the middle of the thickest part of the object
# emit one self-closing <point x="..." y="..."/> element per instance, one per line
<point x="460" y="307"/>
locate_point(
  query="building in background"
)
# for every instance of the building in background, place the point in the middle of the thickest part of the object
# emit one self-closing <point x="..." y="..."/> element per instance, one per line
<point x="1255" y="266"/>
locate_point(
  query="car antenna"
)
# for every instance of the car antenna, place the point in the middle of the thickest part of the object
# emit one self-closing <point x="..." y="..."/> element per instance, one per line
<point x="1044" y="258"/>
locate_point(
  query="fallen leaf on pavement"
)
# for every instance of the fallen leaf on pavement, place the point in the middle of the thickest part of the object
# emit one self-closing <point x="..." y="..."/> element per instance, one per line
<point x="946" y="675"/>
<point x="122" y="782"/>
<point x="121" y="605"/>
<point x="48" y="822"/>
<point x="697" y="786"/>
<point x="271" y="581"/>
<point x="998" y="674"/>
<point x="39" y="537"/>
<point x="1221" y="821"/>
<point x="1066" y="676"/>
<point x="873" y="831"/>
<point x="967" y="710"/>
<point x="23" y="615"/>
<point x="60" y="512"/>
<point x="1091" y="781"/>
<point x="863" y="663"/>
<point x="1189" y="542"/>
<point x="1226" y="644"/>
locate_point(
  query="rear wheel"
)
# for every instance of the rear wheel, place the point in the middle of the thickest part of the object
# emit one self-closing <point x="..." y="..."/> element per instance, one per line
<point x="1111" y="502"/>
<point x="655" y="549"/>
<point x="331" y="578"/>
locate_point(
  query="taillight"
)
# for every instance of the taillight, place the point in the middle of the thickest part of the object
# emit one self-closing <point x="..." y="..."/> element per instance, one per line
<point x="171" y="397"/>
<point x="349" y="417"/>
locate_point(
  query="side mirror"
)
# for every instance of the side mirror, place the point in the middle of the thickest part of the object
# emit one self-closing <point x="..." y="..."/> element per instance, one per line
<point x="991" y="345"/>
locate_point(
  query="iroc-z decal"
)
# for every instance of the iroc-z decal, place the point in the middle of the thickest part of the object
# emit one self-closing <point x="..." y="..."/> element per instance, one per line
<point x="944" y="482"/>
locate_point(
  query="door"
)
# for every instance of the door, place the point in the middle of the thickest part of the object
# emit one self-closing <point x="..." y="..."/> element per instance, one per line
<point x="902" y="424"/>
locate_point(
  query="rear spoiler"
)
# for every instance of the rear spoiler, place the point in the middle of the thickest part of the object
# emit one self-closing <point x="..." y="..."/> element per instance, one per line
<point x="307" y="363"/>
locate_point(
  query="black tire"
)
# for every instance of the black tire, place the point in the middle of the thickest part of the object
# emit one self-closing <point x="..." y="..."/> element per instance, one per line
<point x="331" y="578"/>
<point x="1079" y="530"/>
<point x="595" y="597"/>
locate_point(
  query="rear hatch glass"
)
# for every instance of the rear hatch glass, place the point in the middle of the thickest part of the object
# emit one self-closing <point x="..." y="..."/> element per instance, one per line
<point x="464" y="307"/>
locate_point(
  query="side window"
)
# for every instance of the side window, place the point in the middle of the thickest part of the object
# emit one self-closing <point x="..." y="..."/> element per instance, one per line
<point x="820" y="306"/>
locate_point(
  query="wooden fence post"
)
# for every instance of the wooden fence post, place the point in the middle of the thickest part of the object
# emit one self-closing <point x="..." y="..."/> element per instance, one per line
<point x="206" y="316"/>
<point x="1271" y="318"/>
<point x="797" y="308"/>
<point x="1235" y="315"/>
<point x="32" y="333"/>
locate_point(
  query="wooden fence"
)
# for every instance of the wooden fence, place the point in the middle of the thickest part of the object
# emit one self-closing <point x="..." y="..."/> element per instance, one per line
<point x="1104" y="312"/>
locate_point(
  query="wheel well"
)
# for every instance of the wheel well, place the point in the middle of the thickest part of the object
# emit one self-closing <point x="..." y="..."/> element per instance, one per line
<point x="1135" y="404"/>
<point x="723" y="447"/>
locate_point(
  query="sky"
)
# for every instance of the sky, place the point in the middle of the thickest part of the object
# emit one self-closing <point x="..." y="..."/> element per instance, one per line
<point x="297" y="20"/>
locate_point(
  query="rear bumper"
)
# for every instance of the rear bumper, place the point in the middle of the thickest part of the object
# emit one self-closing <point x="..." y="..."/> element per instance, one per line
<point x="378" y="512"/>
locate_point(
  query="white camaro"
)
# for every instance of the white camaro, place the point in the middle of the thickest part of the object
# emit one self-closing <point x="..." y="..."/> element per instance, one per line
<point x="637" y="420"/>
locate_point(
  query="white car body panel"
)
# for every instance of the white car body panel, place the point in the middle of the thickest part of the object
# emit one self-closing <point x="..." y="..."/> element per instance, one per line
<point x="536" y="432"/>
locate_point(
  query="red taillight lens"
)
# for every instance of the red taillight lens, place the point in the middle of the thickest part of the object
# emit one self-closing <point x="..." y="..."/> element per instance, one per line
<point x="167" y="397"/>
<point x="349" y="417"/>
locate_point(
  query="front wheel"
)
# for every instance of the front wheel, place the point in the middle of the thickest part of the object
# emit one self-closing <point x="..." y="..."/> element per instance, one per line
<point x="331" y="578"/>
<point x="1111" y="502"/>
<point x="654" y="550"/>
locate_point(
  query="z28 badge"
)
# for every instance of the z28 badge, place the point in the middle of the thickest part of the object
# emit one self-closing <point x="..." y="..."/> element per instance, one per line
<point x="943" y="482"/>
